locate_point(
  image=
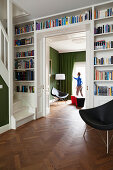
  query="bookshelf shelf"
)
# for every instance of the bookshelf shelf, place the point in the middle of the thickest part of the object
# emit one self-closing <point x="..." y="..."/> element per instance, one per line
<point x="25" y="33"/>
<point x="99" y="19"/>
<point x="21" y="58"/>
<point x="103" y="34"/>
<point x="16" y="81"/>
<point x="24" y="69"/>
<point x="27" y="45"/>
<point x="104" y="65"/>
<point x="103" y="96"/>
<point x="24" y="93"/>
<point x="99" y="50"/>
<point x="106" y="81"/>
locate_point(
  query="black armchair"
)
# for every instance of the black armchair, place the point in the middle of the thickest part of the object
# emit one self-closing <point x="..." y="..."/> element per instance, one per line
<point x="58" y="94"/>
<point x="100" y="118"/>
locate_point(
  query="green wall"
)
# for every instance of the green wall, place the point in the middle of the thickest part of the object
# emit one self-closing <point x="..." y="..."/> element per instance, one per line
<point x="4" y="111"/>
<point x="54" y="56"/>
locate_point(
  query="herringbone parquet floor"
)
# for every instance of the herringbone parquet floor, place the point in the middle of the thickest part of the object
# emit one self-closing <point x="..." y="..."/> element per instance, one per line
<point x="54" y="143"/>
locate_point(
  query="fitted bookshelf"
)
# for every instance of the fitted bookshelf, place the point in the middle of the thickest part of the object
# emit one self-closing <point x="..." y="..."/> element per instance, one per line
<point x="24" y="59"/>
<point x="26" y="56"/>
<point x="103" y="53"/>
<point x="74" y="17"/>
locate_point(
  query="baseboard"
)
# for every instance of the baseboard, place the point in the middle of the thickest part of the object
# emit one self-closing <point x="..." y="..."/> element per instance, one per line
<point x="4" y="128"/>
<point x="24" y="121"/>
<point x="51" y="101"/>
<point x="47" y="111"/>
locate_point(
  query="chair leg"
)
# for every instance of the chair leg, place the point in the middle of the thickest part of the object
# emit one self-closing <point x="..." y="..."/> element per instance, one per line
<point x="87" y="130"/>
<point x="84" y="132"/>
<point x="107" y="141"/>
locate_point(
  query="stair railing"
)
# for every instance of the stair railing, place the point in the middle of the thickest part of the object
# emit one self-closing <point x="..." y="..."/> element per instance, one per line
<point x="3" y="46"/>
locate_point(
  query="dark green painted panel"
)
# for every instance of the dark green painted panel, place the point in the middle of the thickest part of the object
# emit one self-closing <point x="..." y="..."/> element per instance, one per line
<point x="54" y="56"/>
<point x="4" y="106"/>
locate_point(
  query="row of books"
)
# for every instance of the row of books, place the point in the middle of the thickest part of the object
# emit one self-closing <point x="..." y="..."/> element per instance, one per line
<point x="103" y="29"/>
<point x="103" y="61"/>
<point x="23" y="64"/>
<point x="24" y="54"/>
<point x="64" y="21"/>
<point x="102" y="44"/>
<point x="24" y="75"/>
<point x="24" y="41"/>
<point x="103" y="13"/>
<point x="103" y="90"/>
<point x="24" y="89"/>
<point x="103" y="75"/>
<point x="24" y="29"/>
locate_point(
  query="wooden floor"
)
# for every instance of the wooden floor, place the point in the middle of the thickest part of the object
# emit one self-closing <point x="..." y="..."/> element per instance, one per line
<point x="54" y="143"/>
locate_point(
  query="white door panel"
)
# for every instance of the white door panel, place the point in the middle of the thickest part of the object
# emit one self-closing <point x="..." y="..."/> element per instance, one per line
<point x="47" y="76"/>
<point x="40" y="78"/>
<point x="89" y="73"/>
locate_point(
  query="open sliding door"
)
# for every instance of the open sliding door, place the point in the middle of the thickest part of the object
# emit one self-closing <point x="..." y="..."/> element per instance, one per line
<point x="47" y="78"/>
<point x="89" y="70"/>
<point x="40" y="77"/>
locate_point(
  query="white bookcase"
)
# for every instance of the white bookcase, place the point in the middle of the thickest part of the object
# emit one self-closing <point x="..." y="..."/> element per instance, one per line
<point x="24" y="56"/>
<point x="64" y="19"/>
<point x="24" y="74"/>
<point x="103" y="31"/>
<point x="46" y="25"/>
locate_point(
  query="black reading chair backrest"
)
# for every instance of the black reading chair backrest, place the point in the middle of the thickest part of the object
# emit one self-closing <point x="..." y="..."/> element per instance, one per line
<point x="102" y="115"/>
<point x="58" y="94"/>
<point x="54" y="92"/>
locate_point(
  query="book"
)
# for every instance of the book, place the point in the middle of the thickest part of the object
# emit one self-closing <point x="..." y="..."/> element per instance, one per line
<point x="103" y="90"/>
<point x="24" y="29"/>
<point x="64" y="20"/>
<point x="24" y="75"/>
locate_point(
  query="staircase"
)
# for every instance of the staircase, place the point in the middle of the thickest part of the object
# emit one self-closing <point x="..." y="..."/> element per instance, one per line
<point x="4" y="80"/>
<point x="4" y="54"/>
<point x="21" y="114"/>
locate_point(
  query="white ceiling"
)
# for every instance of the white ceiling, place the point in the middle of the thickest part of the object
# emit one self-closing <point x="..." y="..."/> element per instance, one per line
<point x="69" y="42"/>
<point x="40" y="8"/>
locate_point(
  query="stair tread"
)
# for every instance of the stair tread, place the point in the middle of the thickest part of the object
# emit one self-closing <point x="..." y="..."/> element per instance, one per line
<point x="19" y="109"/>
<point x="22" y="114"/>
<point x="16" y="101"/>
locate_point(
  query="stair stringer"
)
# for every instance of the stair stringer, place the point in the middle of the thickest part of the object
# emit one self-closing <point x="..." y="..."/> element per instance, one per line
<point x="4" y="73"/>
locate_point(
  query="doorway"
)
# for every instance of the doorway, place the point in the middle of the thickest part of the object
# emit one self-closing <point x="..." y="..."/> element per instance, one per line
<point x="42" y="53"/>
<point x="66" y="52"/>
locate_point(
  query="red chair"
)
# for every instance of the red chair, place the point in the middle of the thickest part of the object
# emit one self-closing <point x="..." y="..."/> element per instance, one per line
<point x="74" y="100"/>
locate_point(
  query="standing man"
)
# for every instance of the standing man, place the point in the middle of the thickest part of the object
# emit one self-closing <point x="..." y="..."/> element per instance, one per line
<point x="79" y="84"/>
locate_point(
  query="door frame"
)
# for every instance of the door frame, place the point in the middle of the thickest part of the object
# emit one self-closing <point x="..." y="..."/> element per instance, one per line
<point x="42" y="53"/>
